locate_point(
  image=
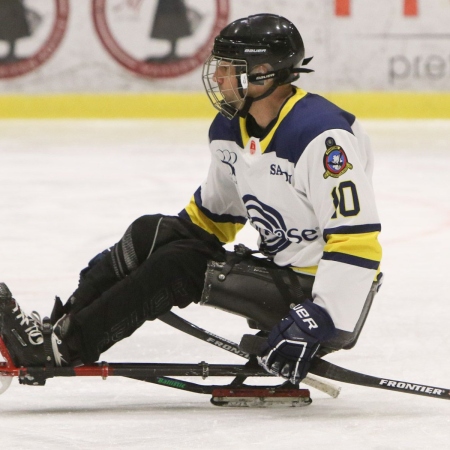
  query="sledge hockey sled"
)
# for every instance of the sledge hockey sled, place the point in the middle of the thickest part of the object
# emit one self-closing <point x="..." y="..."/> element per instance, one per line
<point x="236" y="393"/>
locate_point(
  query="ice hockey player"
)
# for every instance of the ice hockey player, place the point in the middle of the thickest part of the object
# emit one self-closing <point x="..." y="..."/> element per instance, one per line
<point x="297" y="168"/>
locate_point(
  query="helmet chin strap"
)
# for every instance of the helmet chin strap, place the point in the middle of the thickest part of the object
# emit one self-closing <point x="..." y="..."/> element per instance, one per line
<point x="248" y="102"/>
<point x="279" y="78"/>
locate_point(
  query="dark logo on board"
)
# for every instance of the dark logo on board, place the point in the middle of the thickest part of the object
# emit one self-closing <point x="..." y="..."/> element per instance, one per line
<point x="30" y="32"/>
<point x="159" y="38"/>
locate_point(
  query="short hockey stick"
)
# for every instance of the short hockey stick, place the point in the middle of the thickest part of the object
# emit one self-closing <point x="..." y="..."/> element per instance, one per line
<point x="187" y="327"/>
<point x="329" y="370"/>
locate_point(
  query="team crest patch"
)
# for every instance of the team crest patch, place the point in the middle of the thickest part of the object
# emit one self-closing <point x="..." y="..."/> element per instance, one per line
<point x="335" y="160"/>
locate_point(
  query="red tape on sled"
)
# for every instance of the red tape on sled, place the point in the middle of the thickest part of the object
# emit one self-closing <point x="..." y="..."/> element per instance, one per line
<point x="8" y="367"/>
<point x="264" y="392"/>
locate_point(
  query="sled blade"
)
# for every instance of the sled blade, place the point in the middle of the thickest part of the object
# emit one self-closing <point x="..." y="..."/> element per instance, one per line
<point x="5" y="381"/>
<point x="256" y="397"/>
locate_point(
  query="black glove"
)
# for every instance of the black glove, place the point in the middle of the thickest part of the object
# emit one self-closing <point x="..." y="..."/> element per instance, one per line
<point x="293" y="342"/>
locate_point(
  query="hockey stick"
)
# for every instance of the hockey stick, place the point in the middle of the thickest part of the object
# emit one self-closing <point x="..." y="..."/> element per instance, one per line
<point x="329" y="370"/>
<point x="183" y="325"/>
<point x="187" y="327"/>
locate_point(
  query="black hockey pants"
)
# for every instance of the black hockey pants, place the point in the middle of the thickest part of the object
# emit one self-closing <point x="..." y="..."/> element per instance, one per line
<point x="159" y="263"/>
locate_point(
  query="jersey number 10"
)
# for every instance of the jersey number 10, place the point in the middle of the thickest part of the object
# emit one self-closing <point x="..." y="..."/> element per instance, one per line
<point x="345" y="200"/>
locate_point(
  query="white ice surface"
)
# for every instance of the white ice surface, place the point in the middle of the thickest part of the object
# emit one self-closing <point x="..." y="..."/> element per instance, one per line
<point x="69" y="189"/>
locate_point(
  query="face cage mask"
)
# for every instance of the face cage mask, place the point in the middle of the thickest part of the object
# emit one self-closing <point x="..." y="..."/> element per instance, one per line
<point x="227" y="101"/>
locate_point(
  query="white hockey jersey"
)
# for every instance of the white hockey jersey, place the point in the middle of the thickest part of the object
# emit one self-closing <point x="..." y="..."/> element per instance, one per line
<point x="306" y="188"/>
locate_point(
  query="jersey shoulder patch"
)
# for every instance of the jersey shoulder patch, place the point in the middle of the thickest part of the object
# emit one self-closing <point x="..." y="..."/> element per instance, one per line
<point x="335" y="159"/>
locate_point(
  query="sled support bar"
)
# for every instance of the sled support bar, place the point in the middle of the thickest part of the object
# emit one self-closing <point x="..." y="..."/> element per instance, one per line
<point x="137" y="370"/>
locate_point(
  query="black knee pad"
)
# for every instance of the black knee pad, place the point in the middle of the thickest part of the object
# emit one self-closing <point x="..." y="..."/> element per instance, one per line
<point x="255" y="289"/>
<point x="149" y="233"/>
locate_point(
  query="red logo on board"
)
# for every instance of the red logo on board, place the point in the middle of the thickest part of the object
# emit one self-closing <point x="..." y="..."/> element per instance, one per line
<point x="159" y="38"/>
<point x="30" y="32"/>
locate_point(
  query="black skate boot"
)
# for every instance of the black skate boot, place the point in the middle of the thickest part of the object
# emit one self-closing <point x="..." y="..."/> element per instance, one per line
<point x="24" y="337"/>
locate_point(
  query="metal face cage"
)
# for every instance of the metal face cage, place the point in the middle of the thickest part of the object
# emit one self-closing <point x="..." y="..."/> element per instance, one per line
<point x="225" y="81"/>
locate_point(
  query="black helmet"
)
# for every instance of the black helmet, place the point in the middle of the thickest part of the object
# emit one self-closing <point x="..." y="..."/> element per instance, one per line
<point x="250" y="42"/>
<point x="263" y="39"/>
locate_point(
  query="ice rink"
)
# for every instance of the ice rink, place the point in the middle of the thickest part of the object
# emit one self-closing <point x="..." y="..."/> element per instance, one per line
<point x="69" y="189"/>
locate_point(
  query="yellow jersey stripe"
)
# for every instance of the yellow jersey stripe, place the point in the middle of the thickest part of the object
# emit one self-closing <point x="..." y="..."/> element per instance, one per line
<point x="362" y="245"/>
<point x="299" y="94"/>
<point x="312" y="270"/>
<point x="225" y="231"/>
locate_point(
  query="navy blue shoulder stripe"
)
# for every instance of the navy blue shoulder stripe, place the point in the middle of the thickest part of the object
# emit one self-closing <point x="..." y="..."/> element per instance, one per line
<point x="184" y="215"/>
<point x="310" y="117"/>
<point x="218" y="218"/>
<point x="356" y="229"/>
<point x="350" y="259"/>
<point x="225" y="130"/>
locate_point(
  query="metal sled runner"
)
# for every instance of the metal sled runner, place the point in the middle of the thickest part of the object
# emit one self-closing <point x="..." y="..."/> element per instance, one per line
<point x="236" y="393"/>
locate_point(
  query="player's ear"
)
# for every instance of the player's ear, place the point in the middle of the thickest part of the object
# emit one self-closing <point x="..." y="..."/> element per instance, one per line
<point x="261" y="68"/>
